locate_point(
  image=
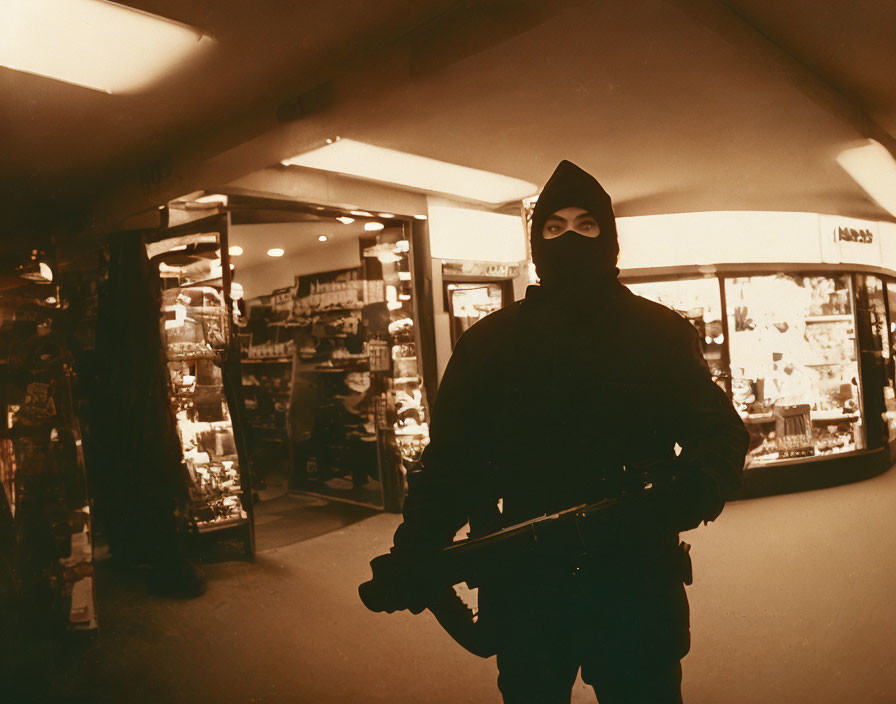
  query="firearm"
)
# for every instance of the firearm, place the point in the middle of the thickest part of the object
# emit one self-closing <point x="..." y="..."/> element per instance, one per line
<point x="571" y="533"/>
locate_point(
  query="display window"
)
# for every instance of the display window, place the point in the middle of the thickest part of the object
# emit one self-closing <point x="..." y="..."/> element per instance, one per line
<point x="195" y="322"/>
<point x="468" y="303"/>
<point x="876" y="355"/>
<point x="891" y="369"/>
<point x="699" y="301"/>
<point x="331" y="368"/>
<point x="794" y="364"/>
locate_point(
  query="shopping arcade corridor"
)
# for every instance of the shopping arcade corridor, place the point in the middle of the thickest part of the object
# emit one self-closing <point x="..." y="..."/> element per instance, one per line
<point x="792" y="603"/>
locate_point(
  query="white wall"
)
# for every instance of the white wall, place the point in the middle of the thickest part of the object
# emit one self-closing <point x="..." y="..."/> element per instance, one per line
<point x="459" y="232"/>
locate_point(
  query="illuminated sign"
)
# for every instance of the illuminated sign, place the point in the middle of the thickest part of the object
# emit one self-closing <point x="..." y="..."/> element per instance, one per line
<point x="853" y="234"/>
<point x="490" y="269"/>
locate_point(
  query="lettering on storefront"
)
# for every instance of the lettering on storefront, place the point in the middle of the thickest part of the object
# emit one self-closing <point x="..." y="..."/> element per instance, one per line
<point x="501" y="271"/>
<point x="853" y="234"/>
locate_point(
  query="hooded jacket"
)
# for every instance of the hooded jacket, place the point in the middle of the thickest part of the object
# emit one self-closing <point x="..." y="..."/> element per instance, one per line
<point x="548" y="402"/>
<point x="572" y="257"/>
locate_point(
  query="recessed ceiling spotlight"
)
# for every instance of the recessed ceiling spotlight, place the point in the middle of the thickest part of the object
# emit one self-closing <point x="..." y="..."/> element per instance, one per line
<point x="419" y="217"/>
<point x="385" y="215"/>
<point x="275" y="252"/>
<point x="373" y="226"/>
<point x="345" y="219"/>
<point x="232" y="267"/>
<point x="362" y="213"/>
<point x="235" y="250"/>
<point x="322" y="238"/>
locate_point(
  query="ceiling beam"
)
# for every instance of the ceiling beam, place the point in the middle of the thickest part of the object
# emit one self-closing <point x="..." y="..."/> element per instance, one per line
<point x="730" y="21"/>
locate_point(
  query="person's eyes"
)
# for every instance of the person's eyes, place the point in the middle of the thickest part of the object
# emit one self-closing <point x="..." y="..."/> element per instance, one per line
<point x="588" y="225"/>
<point x="553" y="229"/>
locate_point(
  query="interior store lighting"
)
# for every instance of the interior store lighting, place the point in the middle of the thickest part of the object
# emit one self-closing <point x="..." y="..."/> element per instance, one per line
<point x="322" y="238"/>
<point x="345" y="219"/>
<point x="373" y="226"/>
<point x="95" y="44"/>
<point x="361" y="213"/>
<point x="213" y="198"/>
<point x="419" y="217"/>
<point x="874" y="169"/>
<point x="385" y="215"/>
<point x="235" y="250"/>
<point x="353" y="158"/>
<point x="275" y="252"/>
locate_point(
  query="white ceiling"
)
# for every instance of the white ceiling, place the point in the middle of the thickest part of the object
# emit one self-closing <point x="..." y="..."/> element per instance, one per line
<point x="674" y="105"/>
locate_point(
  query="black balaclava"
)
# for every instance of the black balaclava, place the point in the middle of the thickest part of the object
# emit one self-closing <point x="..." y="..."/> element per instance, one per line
<point x="572" y="259"/>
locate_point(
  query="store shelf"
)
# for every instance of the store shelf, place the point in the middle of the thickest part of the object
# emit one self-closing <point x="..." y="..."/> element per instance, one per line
<point x="193" y="355"/>
<point x="220" y="525"/>
<point x="829" y="319"/>
<point x="833" y="416"/>
<point x="815" y="416"/>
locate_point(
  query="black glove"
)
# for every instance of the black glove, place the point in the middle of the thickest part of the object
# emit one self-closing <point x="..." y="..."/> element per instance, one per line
<point x="400" y="581"/>
<point x="691" y="498"/>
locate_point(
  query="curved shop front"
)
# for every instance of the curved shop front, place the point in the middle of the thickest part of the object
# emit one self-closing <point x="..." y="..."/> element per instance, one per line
<point x="797" y="314"/>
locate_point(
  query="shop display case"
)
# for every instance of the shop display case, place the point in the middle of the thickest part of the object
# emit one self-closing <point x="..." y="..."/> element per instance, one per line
<point x="331" y="371"/>
<point x="794" y="362"/>
<point x="46" y="529"/>
<point x="806" y="357"/>
<point x="470" y="301"/>
<point x="196" y="320"/>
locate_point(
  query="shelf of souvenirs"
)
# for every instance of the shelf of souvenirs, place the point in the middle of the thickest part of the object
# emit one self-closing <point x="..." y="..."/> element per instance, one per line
<point x="228" y="512"/>
<point x="78" y="572"/>
<point x="829" y="416"/>
<point x="828" y="319"/>
<point x="179" y="352"/>
<point x="305" y="320"/>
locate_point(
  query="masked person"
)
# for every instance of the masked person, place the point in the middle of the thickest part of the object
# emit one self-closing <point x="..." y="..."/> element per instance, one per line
<point x="562" y="399"/>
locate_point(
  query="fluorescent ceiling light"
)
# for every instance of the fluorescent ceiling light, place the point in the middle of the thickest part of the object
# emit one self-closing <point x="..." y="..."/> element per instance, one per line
<point x="95" y="44"/>
<point x="345" y="219"/>
<point x="373" y="226"/>
<point x="359" y="213"/>
<point x="419" y="217"/>
<point x="385" y="215"/>
<point x="874" y="169"/>
<point x="235" y="250"/>
<point x="275" y="252"/>
<point x="347" y="156"/>
<point x="322" y="238"/>
<point x="213" y="198"/>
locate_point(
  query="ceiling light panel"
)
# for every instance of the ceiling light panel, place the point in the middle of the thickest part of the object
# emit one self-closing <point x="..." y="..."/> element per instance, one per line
<point x="95" y="44"/>
<point x="347" y="156"/>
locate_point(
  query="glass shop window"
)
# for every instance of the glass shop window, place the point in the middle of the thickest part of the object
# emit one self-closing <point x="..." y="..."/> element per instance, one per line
<point x="795" y="374"/>
<point x="699" y="301"/>
<point x="891" y="370"/>
<point x="875" y="348"/>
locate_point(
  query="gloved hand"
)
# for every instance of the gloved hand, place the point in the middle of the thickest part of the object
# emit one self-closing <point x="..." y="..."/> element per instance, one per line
<point x="691" y="498"/>
<point x="400" y="581"/>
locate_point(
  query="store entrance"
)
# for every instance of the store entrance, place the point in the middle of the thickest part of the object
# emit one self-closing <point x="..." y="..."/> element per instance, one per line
<point x="334" y="396"/>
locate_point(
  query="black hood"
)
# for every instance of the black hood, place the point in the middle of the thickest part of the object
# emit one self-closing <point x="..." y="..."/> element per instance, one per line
<point x="572" y="258"/>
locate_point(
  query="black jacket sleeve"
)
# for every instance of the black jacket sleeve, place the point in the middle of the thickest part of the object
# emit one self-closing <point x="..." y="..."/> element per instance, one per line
<point x="711" y="434"/>
<point x="435" y="507"/>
